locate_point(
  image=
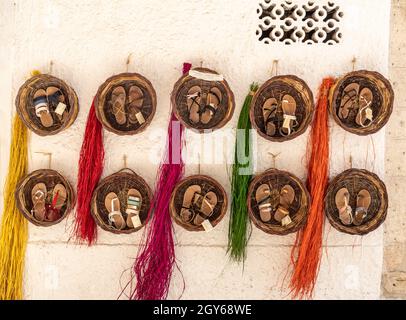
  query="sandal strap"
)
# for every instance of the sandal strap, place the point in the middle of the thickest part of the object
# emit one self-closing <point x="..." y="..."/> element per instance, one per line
<point x="133" y="210"/>
<point x="41" y="107"/>
<point x="114" y="214"/>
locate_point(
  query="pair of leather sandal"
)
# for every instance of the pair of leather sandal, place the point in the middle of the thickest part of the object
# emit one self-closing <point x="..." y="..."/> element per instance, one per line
<point x="346" y="214"/>
<point x="359" y="100"/>
<point x="196" y="207"/>
<point x="202" y="106"/>
<point x="273" y="204"/>
<point x="119" y="104"/>
<point x="45" y="100"/>
<point x="133" y="207"/>
<point x="271" y="110"/>
<point x="47" y="207"/>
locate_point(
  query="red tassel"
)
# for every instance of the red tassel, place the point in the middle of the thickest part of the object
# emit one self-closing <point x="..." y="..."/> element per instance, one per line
<point x="90" y="170"/>
<point x="154" y="265"/>
<point x="306" y="253"/>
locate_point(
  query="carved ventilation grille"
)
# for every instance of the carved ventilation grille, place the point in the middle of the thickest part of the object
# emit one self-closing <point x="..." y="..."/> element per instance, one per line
<point x="309" y="22"/>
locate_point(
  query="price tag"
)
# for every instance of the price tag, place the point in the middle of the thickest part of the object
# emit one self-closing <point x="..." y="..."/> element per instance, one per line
<point x="136" y="221"/>
<point x="207" y="225"/>
<point x="60" y="108"/>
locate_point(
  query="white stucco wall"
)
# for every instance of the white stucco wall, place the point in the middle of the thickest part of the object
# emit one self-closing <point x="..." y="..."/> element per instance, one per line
<point x="90" y="40"/>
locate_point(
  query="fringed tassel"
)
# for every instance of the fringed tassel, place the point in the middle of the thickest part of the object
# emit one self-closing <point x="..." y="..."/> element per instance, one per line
<point x="306" y="253"/>
<point x="14" y="231"/>
<point x="154" y="265"/>
<point x="90" y="171"/>
<point x="241" y="176"/>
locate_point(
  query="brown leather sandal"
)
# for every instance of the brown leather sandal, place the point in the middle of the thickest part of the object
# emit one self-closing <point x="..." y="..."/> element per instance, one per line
<point x="38" y="196"/>
<point x="289" y="115"/>
<point x="363" y="203"/>
<point x="193" y="102"/>
<point x="263" y="198"/>
<point x="112" y="204"/>
<point x="118" y="97"/>
<point x="208" y="203"/>
<point x="348" y="100"/>
<point x="186" y="213"/>
<point x="342" y="200"/>
<point x="136" y="99"/>
<point x="269" y="112"/>
<point x="287" y="196"/>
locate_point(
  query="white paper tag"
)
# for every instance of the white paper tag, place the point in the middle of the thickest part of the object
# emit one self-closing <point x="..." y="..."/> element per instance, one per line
<point x="207" y="226"/>
<point x="60" y="108"/>
<point x="286" y="221"/>
<point x="136" y="221"/>
<point x="140" y="118"/>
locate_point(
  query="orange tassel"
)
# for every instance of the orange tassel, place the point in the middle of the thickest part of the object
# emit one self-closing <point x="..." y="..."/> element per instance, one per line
<point x="306" y="253"/>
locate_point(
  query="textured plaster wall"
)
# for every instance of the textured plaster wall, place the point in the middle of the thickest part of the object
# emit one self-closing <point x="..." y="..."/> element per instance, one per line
<point x="394" y="277"/>
<point x="89" y="41"/>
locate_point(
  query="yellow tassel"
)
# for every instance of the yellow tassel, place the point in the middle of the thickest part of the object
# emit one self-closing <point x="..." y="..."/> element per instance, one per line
<point x="14" y="230"/>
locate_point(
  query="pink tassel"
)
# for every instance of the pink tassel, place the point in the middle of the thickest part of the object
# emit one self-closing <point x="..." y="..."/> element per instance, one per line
<point x="154" y="265"/>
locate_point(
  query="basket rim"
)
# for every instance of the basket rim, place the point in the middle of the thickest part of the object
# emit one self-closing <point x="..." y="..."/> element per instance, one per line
<point x="102" y="183"/>
<point x="187" y="226"/>
<point x="265" y="227"/>
<point x="231" y="102"/>
<point x="305" y="124"/>
<point x="20" y="190"/>
<point x="27" y="121"/>
<point x="383" y="210"/>
<point x="108" y="82"/>
<point x="333" y="97"/>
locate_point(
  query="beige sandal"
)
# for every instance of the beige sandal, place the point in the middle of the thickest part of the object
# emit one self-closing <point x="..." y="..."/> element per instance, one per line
<point x="186" y="213"/>
<point x="42" y="108"/>
<point x="287" y="196"/>
<point x="289" y="115"/>
<point x="136" y="99"/>
<point x="118" y="97"/>
<point x="193" y="103"/>
<point x="342" y="200"/>
<point x="212" y="103"/>
<point x="134" y="201"/>
<point x="112" y="204"/>
<point x="365" y="113"/>
<point x="38" y="196"/>
<point x="363" y="203"/>
<point x="208" y="203"/>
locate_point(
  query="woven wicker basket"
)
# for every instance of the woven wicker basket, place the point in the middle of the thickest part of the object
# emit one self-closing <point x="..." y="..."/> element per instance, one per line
<point x="180" y="93"/>
<point x="278" y="87"/>
<point x="50" y="178"/>
<point x="104" y="110"/>
<point x="382" y="103"/>
<point x="298" y="210"/>
<point x="120" y="183"/>
<point x="207" y="184"/>
<point x="26" y="110"/>
<point x="355" y="180"/>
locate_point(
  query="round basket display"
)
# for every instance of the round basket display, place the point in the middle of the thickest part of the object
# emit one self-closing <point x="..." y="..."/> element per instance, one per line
<point x="121" y="202"/>
<point x="202" y="100"/>
<point x="198" y="203"/>
<point x="46" y="104"/>
<point x="356" y="202"/>
<point x="282" y="108"/>
<point x="278" y="202"/>
<point x="44" y="197"/>
<point x="126" y="103"/>
<point x="362" y="102"/>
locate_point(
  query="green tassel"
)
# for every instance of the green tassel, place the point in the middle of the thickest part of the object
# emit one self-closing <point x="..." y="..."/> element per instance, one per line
<point x="241" y="176"/>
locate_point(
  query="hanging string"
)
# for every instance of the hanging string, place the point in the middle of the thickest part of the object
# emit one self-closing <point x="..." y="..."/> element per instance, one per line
<point x="155" y="261"/>
<point x="90" y="170"/>
<point x="306" y="253"/>
<point x="240" y="179"/>
<point x="14" y="230"/>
